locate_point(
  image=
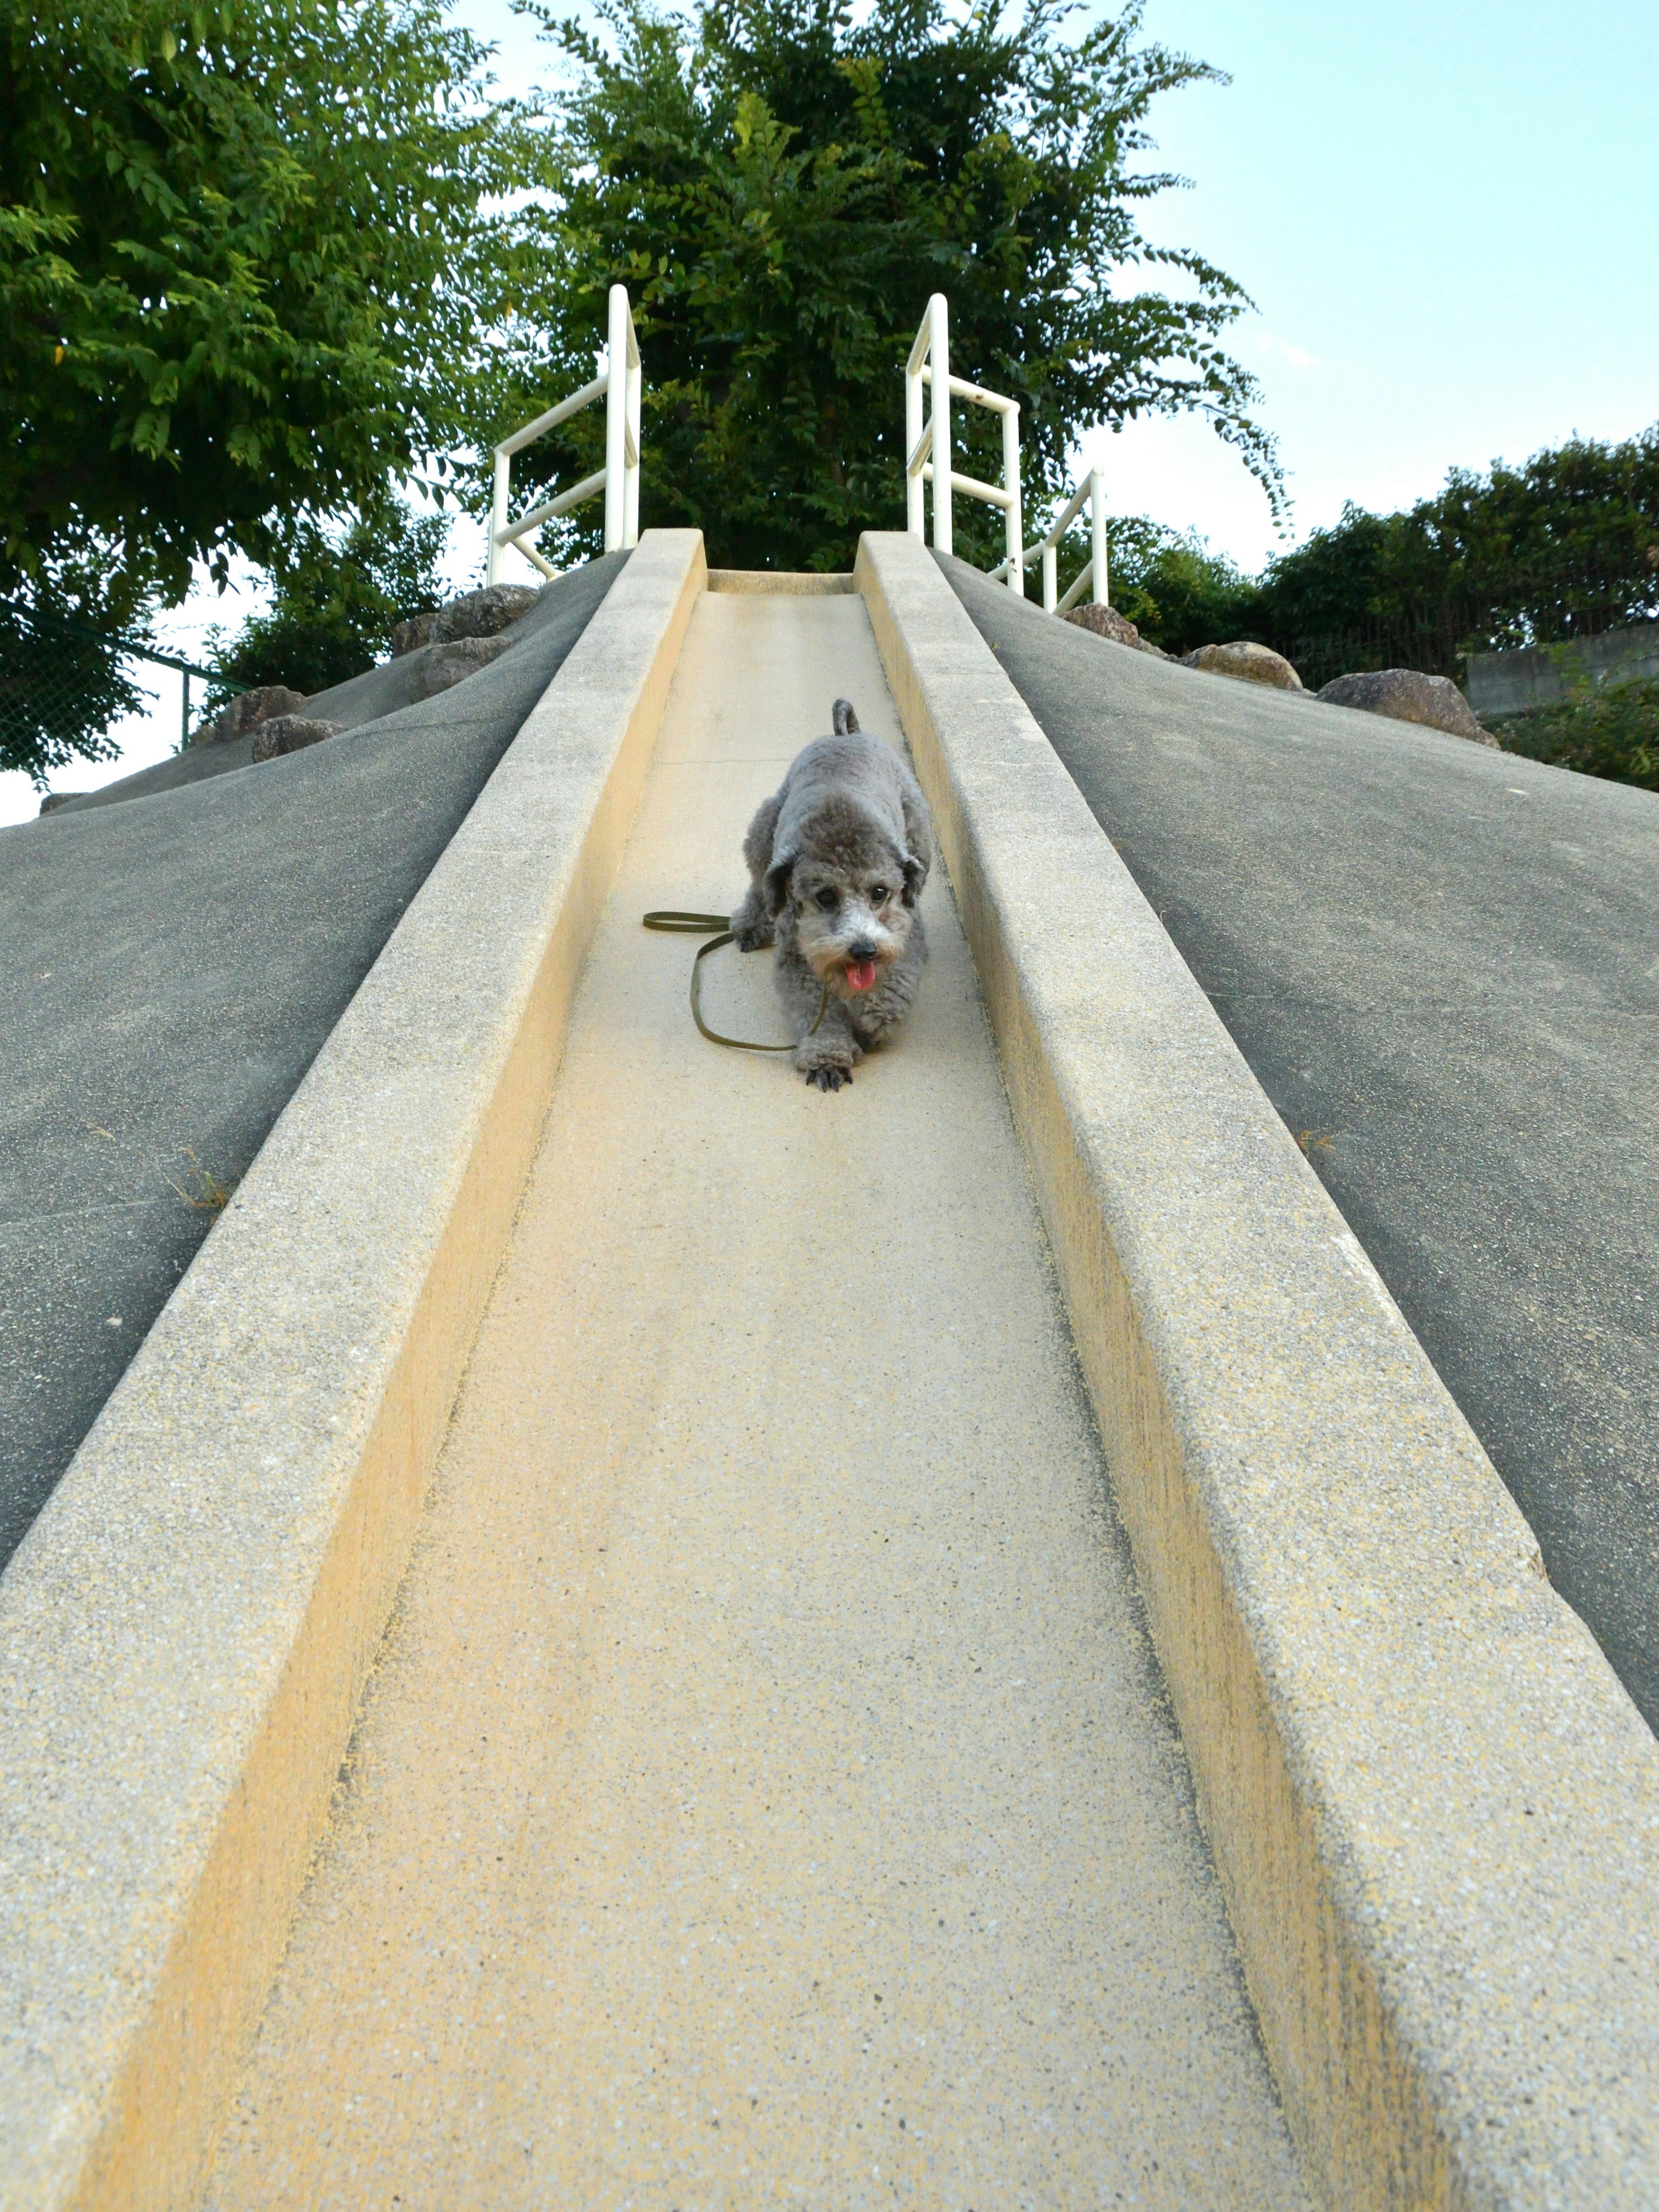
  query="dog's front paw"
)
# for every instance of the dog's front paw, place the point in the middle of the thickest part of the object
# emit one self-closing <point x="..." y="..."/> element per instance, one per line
<point x="752" y="936"/>
<point x="828" y="1078"/>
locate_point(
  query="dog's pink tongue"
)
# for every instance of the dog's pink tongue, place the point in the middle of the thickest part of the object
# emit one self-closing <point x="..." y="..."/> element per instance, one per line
<point x="860" y="975"/>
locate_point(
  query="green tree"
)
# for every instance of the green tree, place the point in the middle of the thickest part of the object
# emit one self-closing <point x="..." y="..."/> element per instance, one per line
<point x="781" y="186"/>
<point x="1177" y="592"/>
<point x="62" y="686"/>
<point x="253" y="256"/>
<point x="336" y="593"/>
<point x="1564" y="546"/>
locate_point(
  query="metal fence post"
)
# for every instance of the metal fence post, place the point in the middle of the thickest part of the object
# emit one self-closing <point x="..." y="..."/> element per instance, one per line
<point x="636" y="385"/>
<point x="616" y="422"/>
<point x="938" y="349"/>
<point x="915" y="518"/>
<point x="1014" y="535"/>
<point x="1097" y="581"/>
<point x="498" y="514"/>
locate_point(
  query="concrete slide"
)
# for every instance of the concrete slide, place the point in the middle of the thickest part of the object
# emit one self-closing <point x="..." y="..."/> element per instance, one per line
<point x="766" y="1795"/>
<point x="636" y="1635"/>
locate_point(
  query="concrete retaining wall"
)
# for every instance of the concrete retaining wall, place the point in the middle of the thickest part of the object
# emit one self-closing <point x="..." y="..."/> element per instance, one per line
<point x="185" y="1632"/>
<point x="1434" y="1811"/>
<point x="1543" y="674"/>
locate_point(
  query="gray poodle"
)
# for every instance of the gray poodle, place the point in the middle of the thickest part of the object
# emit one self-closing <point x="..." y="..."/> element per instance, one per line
<point x="836" y="862"/>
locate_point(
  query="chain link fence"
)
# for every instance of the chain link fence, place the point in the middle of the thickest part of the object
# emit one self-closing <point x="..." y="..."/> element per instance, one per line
<point x="64" y="687"/>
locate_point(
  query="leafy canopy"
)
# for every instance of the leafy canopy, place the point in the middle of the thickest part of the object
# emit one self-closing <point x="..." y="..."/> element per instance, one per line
<point x="781" y="186"/>
<point x="1563" y="547"/>
<point x="248" y="260"/>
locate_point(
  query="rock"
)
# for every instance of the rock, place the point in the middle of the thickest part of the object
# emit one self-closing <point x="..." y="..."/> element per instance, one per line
<point x="55" y="799"/>
<point x="447" y="664"/>
<point x="410" y="637"/>
<point x="246" y="711"/>
<point x="1256" y="664"/>
<point x="291" y="733"/>
<point x="1106" y="621"/>
<point x="478" y="614"/>
<point x="1408" y="696"/>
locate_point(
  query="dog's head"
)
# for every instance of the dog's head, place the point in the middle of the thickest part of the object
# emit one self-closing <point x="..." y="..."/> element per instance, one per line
<point x="852" y="895"/>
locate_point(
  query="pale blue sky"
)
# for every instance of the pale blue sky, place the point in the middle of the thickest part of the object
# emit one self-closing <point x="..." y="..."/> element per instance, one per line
<point x="1444" y="212"/>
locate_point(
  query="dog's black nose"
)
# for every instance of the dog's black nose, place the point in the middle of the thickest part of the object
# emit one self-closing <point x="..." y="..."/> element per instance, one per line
<point x="861" y="948"/>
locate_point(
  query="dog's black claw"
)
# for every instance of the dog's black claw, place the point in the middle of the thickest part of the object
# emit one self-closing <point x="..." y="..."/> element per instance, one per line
<point x="828" y="1078"/>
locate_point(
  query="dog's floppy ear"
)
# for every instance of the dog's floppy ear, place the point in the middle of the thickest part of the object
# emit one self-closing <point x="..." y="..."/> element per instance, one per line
<point x="916" y="875"/>
<point x="777" y="882"/>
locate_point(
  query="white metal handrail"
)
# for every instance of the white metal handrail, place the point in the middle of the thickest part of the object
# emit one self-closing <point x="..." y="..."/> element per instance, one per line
<point x="928" y="442"/>
<point x="619" y="479"/>
<point x="1095" y="571"/>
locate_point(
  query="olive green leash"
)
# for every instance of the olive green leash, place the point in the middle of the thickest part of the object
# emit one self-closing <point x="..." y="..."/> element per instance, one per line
<point x="699" y="925"/>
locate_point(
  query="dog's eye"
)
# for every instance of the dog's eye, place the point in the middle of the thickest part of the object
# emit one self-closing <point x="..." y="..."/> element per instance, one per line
<point x="828" y="899"/>
<point x="877" y="894"/>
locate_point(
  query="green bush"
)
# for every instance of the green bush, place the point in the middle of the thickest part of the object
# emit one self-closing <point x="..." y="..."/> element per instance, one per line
<point x="1613" y="732"/>
<point x="1176" y="593"/>
<point x="1563" y="547"/>
<point x="335" y="598"/>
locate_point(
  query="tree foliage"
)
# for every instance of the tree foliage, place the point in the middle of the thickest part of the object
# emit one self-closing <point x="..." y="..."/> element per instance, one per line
<point x="781" y="186"/>
<point x="62" y="686"/>
<point x="1566" y="546"/>
<point x="336" y="594"/>
<point x="1177" y="591"/>
<point x="1613" y="731"/>
<point x="247" y="267"/>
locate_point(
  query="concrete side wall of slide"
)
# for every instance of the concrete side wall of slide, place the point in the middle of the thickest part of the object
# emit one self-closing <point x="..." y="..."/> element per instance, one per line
<point x="1434" y="1809"/>
<point x="185" y="1632"/>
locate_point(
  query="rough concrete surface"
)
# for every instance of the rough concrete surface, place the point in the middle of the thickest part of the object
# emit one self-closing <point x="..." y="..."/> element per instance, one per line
<point x="1442" y="965"/>
<point x="185" y="1630"/>
<point x="378" y="692"/>
<point x="765" y="1796"/>
<point x="171" y="968"/>
<point x="1434" y="1810"/>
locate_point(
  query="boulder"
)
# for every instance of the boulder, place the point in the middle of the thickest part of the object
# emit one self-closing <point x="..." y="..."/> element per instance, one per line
<point x="1106" y="621"/>
<point x="447" y="664"/>
<point x="1256" y="664"/>
<point x="478" y="614"/>
<point x="1408" y="696"/>
<point x="291" y="733"/>
<point x="247" y="710"/>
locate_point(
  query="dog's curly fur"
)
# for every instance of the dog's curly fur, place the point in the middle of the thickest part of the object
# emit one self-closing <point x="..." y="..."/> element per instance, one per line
<point x="837" y="859"/>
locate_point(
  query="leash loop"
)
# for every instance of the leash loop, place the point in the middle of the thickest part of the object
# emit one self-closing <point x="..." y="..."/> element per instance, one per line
<point x="700" y="924"/>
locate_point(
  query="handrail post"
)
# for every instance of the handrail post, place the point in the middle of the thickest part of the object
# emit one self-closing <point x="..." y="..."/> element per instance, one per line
<point x="498" y="516"/>
<point x="635" y="380"/>
<point x="938" y="350"/>
<point x="1014" y="535"/>
<point x="615" y="421"/>
<point x="916" y="517"/>
<point x="1098" y="582"/>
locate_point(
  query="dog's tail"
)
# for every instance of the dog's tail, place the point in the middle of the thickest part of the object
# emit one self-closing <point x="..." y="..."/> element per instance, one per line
<point x="845" y="720"/>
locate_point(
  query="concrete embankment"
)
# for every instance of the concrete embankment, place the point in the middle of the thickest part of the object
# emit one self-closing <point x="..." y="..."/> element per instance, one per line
<point x="1439" y="962"/>
<point x="177" y="949"/>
